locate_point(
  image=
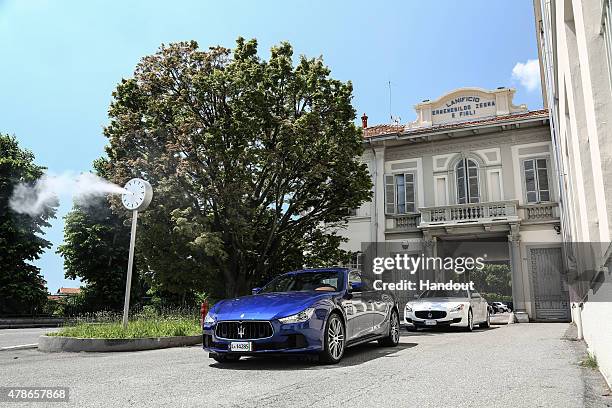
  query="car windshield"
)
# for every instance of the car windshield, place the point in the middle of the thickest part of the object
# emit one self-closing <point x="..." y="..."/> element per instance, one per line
<point x="444" y="294"/>
<point x="327" y="281"/>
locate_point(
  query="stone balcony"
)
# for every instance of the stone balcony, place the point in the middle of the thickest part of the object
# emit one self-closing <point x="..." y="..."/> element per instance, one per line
<point x="403" y="222"/>
<point x="489" y="213"/>
<point x="539" y="213"/>
<point x="475" y="213"/>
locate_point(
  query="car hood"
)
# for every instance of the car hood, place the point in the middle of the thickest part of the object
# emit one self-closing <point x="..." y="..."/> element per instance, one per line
<point x="436" y="303"/>
<point x="266" y="306"/>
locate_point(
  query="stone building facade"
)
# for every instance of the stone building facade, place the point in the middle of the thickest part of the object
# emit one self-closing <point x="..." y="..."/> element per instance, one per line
<point x="473" y="166"/>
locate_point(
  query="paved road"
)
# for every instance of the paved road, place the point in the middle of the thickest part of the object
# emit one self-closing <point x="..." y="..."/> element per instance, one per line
<point x="521" y="365"/>
<point x="17" y="337"/>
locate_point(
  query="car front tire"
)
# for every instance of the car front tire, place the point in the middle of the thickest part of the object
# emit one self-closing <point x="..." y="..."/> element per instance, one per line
<point x="334" y="340"/>
<point x="487" y="323"/>
<point x="392" y="339"/>
<point x="470" y="322"/>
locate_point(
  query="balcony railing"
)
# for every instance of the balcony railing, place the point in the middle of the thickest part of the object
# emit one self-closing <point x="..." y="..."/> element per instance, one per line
<point x="469" y="213"/>
<point x="477" y="213"/>
<point x="403" y="222"/>
<point x="540" y="212"/>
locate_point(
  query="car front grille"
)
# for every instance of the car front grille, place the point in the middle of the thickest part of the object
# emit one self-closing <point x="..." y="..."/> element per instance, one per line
<point x="243" y="330"/>
<point x="430" y="314"/>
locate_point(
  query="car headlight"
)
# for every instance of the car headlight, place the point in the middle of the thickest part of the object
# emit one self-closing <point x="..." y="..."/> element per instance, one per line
<point x="209" y="319"/>
<point x="408" y="308"/>
<point x="298" y="317"/>
<point x="457" y="308"/>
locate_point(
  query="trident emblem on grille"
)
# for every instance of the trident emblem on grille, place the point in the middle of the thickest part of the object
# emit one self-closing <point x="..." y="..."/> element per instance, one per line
<point x="240" y="331"/>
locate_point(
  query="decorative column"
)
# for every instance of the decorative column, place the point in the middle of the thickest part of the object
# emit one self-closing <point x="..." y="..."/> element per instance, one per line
<point x="430" y="250"/>
<point x="518" y="284"/>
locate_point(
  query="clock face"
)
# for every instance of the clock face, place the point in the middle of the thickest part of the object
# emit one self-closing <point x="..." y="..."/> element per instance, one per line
<point x="138" y="195"/>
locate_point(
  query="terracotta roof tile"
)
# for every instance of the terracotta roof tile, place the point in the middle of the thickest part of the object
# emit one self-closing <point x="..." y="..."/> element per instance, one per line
<point x="390" y="129"/>
<point x="69" y="291"/>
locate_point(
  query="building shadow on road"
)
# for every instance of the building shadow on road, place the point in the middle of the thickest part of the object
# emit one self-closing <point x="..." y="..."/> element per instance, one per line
<point x="352" y="356"/>
<point x="441" y="331"/>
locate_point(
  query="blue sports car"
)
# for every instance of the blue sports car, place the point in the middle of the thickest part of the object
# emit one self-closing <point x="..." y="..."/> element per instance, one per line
<point x="311" y="311"/>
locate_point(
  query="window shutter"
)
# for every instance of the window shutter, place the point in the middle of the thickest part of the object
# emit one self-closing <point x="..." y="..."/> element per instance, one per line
<point x="530" y="181"/>
<point x="460" y="175"/>
<point x="472" y="176"/>
<point x="410" y="192"/>
<point x="389" y="194"/>
<point x="543" y="188"/>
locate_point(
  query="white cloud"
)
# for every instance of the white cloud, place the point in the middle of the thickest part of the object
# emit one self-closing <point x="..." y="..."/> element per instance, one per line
<point x="528" y="74"/>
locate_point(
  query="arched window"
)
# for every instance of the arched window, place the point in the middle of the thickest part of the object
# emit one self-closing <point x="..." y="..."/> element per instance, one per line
<point x="467" y="181"/>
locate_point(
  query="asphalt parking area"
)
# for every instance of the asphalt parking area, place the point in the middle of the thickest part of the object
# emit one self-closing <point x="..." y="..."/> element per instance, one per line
<point x="520" y="365"/>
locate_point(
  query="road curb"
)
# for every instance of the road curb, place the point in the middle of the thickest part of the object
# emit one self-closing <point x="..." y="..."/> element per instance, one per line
<point x="58" y="344"/>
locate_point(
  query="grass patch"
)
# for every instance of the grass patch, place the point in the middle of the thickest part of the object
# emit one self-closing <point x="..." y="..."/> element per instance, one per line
<point x="590" y="361"/>
<point x="138" y="328"/>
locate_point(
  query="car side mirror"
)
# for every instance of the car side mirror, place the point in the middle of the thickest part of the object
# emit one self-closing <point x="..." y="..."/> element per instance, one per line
<point x="255" y="291"/>
<point x="355" y="286"/>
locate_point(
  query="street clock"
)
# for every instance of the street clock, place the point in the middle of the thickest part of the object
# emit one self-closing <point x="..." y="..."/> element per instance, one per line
<point x="138" y="195"/>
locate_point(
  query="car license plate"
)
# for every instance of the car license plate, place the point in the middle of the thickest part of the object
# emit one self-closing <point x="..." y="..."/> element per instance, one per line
<point x="430" y="322"/>
<point x="241" y="346"/>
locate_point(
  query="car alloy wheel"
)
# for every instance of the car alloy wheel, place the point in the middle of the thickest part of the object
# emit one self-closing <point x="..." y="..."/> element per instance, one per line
<point x="394" y="334"/>
<point x="335" y="338"/>
<point x="395" y="327"/>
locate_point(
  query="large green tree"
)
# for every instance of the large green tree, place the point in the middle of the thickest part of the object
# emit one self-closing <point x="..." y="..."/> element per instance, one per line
<point x="255" y="163"/>
<point x="22" y="288"/>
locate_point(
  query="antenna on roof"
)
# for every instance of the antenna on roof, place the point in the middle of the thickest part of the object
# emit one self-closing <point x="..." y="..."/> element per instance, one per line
<point x="393" y="119"/>
<point x="390" y="111"/>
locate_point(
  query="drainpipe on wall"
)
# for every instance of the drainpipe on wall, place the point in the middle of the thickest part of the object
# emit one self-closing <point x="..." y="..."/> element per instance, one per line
<point x="364" y="125"/>
<point x="375" y="203"/>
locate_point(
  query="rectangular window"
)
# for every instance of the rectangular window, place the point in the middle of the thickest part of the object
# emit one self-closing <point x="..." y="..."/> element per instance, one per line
<point x="536" y="180"/>
<point x="356" y="261"/>
<point x="400" y="193"/>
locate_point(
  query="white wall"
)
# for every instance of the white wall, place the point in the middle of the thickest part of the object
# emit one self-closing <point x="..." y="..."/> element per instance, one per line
<point x="596" y="317"/>
<point x="577" y="78"/>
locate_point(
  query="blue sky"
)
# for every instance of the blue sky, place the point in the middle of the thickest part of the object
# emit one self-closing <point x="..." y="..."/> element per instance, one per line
<point x="60" y="61"/>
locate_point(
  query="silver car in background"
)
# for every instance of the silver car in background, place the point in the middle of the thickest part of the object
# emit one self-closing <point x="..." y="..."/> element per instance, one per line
<point x="436" y="308"/>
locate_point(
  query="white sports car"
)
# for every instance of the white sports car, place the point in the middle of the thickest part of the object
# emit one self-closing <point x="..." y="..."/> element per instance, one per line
<point x="436" y="308"/>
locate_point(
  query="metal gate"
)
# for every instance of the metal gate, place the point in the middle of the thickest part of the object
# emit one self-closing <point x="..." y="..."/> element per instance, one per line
<point x="549" y="284"/>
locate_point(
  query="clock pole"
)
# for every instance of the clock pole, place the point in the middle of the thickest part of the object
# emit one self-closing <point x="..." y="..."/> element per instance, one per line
<point x="137" y="197"/>
<point x="128" y="283"/>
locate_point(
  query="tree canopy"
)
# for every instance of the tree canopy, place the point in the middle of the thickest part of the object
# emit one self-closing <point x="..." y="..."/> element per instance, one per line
<point x="22" y="288"/>
<point x="255" y="163"/>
